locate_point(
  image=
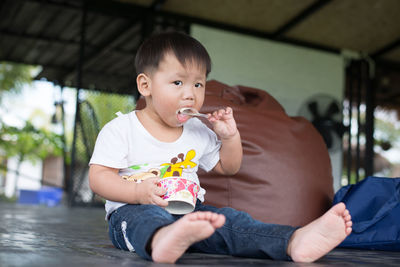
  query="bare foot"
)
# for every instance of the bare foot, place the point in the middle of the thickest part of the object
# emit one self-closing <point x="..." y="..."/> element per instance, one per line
<point x="317" y="238"/>
<point x="170" y="242"/>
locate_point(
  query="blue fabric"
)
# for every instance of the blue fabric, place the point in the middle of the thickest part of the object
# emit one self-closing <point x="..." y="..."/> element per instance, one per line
<point x="240" y="236"/>
<point x="374" y="205"/>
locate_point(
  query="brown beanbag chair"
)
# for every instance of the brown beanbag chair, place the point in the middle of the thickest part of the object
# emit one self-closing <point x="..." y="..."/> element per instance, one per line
<point x="285" y="176"/>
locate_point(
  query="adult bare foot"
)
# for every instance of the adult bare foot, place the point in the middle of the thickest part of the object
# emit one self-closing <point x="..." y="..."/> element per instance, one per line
<point x="170" y="242"/>
<point x="317" y="238"/>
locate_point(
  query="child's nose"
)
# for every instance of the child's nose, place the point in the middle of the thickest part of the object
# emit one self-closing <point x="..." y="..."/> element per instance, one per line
<point x="188" y="92"/>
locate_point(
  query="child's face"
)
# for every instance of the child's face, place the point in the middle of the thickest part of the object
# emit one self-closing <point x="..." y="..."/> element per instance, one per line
<point x="174" y="86"/>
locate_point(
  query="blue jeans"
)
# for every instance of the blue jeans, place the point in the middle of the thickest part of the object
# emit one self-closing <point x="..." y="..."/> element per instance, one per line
<point x="131" y="227"/>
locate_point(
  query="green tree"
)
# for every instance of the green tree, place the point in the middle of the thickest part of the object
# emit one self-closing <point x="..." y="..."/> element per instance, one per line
<point x="14" y="76"/>
<point x="29" y="143"/>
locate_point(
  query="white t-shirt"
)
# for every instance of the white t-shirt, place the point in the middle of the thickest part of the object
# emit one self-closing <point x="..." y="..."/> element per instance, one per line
<point x="125" y="144"/>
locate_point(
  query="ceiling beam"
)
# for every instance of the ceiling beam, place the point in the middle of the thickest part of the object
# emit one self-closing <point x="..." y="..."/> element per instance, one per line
<point x="38" y="37"/>
<point x="387" y="48"/>
<point x="58" y="69"/>
<point x="64" y="4"/>
<point x="91" y="73"/>
<point x="19" y="61"/>
<point x="306" y="13"/>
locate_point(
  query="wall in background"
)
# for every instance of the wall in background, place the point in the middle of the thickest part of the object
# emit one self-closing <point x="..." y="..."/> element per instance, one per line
<point x="289" y="73"/>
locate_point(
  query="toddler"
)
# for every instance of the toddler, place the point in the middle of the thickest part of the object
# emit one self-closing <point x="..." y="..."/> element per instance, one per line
<point x="158" y="142"/>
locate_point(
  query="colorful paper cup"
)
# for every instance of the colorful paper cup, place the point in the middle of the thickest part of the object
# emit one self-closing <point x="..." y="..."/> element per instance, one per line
<point x="181" y="194"/>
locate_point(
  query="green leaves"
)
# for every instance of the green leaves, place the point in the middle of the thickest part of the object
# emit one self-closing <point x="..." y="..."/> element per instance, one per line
<point x="14" y="76"/>
<point x="29" y="142"/>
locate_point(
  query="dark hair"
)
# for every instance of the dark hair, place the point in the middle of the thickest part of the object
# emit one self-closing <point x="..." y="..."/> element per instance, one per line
<point x="184" y="47"/>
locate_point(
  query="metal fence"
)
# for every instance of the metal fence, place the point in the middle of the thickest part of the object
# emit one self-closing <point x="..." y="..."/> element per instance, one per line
<point x="95" y="109"/>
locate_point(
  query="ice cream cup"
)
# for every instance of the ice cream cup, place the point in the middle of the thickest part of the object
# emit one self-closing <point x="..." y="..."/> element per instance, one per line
<point x="181" y="194"/>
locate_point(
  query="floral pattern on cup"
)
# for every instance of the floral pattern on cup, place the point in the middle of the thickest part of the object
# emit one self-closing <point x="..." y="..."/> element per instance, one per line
<point x="181" y="190"/>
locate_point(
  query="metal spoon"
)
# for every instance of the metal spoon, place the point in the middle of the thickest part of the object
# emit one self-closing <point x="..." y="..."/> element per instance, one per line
<point x="191" y="112"/>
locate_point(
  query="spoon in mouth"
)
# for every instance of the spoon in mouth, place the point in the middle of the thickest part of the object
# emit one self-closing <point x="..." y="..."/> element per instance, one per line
<point x="191" y="112"/>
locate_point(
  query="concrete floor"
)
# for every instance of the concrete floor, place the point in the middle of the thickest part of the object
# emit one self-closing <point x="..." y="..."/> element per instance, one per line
<point x="61" y="236"/>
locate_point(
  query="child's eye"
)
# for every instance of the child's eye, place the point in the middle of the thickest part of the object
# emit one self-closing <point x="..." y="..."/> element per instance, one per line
<point x="198" y="85"/>
<point x="178" y="83"/>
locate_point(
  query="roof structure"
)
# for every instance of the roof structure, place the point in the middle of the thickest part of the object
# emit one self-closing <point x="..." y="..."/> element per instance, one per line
<point x="91" y="44"/>
<point x="100" y="38"/>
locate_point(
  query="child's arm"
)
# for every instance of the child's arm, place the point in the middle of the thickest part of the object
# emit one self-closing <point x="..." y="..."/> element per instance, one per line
<point x="106" y="182"/>
<point x="231" y="149"/>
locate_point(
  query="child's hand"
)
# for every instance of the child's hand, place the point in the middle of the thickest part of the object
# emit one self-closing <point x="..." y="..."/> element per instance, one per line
<point x="224" y="124"/>
<point x="149" y="192"/>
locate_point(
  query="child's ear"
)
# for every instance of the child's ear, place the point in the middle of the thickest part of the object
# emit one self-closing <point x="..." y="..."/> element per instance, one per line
<point x="143" y="84"/>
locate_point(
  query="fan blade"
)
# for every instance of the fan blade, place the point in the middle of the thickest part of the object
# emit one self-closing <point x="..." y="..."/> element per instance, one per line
<point x="313" y="108"/>
<point x="327" y="136"/>
<point x="325" y="132"/>
<point x="332" y="110"/>
<point x="340" y="129"/>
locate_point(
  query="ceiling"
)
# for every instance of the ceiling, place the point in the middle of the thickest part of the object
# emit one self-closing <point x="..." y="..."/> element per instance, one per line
<point x="49" y="33"/>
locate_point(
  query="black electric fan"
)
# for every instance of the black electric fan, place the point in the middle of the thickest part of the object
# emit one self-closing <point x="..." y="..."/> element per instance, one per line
<point x="324" y="113"/>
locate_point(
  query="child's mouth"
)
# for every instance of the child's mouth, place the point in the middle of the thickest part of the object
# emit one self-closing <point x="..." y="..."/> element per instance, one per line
<point x="182" y="118"/>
